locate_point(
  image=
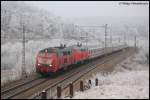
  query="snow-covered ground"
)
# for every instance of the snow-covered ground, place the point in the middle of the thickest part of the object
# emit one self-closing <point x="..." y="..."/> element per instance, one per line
<point x="129" y="80"/>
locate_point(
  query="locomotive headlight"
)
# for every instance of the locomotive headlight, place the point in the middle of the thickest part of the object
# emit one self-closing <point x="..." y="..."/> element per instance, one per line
<point x="50" y="65"/>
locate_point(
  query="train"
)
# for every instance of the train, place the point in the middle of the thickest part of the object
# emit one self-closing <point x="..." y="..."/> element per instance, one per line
<point x="53" y="59"/>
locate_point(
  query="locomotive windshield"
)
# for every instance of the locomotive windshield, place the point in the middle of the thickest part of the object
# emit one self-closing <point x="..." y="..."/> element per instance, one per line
<point x="44" y="61"/>
<point x="48" y="51"/>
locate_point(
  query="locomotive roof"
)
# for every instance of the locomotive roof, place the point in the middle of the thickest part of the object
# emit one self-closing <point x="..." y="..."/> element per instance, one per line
<point x="57" y="49"/>
<point x="60" y="49"/>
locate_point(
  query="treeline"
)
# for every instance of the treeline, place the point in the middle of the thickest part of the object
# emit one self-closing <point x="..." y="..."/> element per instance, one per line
<point x="37" y="23"/>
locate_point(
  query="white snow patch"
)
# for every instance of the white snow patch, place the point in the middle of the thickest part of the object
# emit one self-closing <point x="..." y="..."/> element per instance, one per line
<point x="123" y="84"/>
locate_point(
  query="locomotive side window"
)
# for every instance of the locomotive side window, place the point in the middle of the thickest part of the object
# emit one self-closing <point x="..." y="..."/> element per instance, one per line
<point x="83" y="50"/>
<point x="69" y="52"/>
<point x="66" y="53"/>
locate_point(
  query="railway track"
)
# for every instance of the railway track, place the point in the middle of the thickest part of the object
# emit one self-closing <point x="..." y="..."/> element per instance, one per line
<point x="23" y="90"/>
<point x="17" y="89"/>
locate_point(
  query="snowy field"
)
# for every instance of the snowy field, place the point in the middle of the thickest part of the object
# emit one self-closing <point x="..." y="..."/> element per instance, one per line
<point x="129" y="80"/>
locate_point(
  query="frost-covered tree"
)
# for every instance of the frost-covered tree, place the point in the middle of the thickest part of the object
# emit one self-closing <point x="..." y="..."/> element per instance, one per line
<point x="38" y="22"/>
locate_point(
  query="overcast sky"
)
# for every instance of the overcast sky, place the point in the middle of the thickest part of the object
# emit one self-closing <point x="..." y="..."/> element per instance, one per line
<point x="93" y="8"/>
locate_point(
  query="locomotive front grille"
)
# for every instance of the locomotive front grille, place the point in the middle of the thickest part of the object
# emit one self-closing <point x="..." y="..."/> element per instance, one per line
<point x="45" y="65"/>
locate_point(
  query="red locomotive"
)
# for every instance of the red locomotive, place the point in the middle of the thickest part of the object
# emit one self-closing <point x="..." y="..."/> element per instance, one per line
<point x="55" y="58"/>
<point x="52" y="59"/>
